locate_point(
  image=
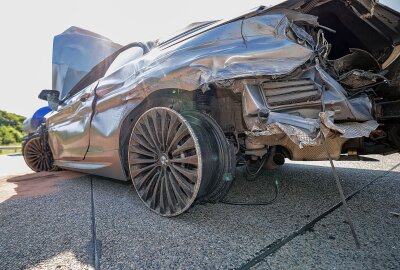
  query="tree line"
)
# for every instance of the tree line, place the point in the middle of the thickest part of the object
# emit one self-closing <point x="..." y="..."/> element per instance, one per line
<point x="11" y="131"/>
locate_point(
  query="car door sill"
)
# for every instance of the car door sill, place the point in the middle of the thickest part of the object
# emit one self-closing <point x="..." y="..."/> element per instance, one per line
<point x="81" y="165"/>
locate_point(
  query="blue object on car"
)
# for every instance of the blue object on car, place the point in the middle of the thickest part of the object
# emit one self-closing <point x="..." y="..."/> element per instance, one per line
<point x="39" y="116"/>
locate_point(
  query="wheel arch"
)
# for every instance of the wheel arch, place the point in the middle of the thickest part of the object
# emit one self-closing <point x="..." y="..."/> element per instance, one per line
<point x="178" y="99"/>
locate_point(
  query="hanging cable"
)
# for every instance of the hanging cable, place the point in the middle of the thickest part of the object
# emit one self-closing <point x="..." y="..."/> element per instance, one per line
<point x="251" y="176"/>
<point x="276" y="194"/>
<point x="337" y="179"/>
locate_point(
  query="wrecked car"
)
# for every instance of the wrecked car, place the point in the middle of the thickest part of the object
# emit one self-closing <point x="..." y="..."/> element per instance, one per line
<point x="176" y="116"/>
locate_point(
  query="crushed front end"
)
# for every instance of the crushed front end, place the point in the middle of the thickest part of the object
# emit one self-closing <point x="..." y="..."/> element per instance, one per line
<point x="347" y="98"/>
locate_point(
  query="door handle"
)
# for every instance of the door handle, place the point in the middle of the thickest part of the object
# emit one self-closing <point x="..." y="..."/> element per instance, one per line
<point x="84" y="97"/>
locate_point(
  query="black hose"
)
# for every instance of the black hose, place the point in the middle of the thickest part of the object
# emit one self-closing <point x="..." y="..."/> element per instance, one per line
<point x="276" y="191"/>
<point x="251" y="176"/>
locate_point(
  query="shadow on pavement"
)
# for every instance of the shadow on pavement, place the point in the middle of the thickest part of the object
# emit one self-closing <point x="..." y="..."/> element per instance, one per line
<point x="37" y="184"/>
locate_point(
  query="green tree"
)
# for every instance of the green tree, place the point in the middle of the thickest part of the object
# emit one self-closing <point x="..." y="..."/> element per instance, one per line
<point x="11" y="131"/>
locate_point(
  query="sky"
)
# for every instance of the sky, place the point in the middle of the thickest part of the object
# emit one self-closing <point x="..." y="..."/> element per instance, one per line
<point x="27" y="29"/>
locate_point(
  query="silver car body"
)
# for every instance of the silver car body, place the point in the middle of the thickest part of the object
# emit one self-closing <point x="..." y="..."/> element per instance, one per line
<point x="245" y="55"/>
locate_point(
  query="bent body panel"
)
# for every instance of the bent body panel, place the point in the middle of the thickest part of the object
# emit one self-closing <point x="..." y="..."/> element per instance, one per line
<point x="69" y="128"/>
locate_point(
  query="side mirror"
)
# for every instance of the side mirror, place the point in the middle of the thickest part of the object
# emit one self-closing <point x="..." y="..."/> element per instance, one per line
<point x="52" y="97"/>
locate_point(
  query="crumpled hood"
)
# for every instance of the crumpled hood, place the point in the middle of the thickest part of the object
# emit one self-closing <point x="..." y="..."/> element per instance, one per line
<point x="75" y="52"/>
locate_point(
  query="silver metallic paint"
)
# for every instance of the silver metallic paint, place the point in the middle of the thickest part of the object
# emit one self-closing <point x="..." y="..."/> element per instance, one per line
<point x="266" y="45"/>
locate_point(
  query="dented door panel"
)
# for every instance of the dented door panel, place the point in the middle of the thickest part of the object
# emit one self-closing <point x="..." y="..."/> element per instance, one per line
<point x="69" y="127"/>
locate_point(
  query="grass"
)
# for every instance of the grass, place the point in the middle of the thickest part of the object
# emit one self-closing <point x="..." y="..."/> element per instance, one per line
<point x="11" y="151"/>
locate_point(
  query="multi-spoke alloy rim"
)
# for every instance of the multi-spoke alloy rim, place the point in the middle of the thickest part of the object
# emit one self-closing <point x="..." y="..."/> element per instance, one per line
<point x="35" y="155"/>
<point x="165" y="161"/>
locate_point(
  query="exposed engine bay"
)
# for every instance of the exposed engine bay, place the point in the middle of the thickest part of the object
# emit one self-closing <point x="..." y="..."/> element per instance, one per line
<point x="348" y="89"/>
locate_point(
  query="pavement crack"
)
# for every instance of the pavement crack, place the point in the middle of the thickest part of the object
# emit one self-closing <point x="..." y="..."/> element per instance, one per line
<point x="275" y="246"/>
<point x="95" y="245"/>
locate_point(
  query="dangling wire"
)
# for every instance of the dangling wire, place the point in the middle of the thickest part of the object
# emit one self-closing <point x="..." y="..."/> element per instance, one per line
<point x="323" y="47"/>
<point x="276" y="194"/>
<point x="251" y="176"/>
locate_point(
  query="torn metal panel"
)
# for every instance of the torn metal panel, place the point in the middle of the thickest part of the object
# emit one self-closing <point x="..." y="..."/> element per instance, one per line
<point x="335" y="93"/>
<point x="346" y="130"/>
<point x="306" y="152"/>
<point x="304" y="139"/>
<point x="360" y="79"/>
<point x="302" y="97"/>
<point x="252" y="100"/>
<point x="356" y="59"/>
<point x="297" y="135"/>
<point x="358" y="70"/>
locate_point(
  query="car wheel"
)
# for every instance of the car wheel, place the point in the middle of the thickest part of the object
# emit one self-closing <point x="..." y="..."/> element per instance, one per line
<point x="37" y="155"/>
<point x="176" y="159"/>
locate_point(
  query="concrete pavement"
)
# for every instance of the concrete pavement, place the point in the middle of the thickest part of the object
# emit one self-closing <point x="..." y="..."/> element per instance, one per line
<point x="12" y="164"/>
<point x="50" y="221"/>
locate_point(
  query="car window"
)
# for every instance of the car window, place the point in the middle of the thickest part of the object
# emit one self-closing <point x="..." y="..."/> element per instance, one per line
<point x="123" y="58"/>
